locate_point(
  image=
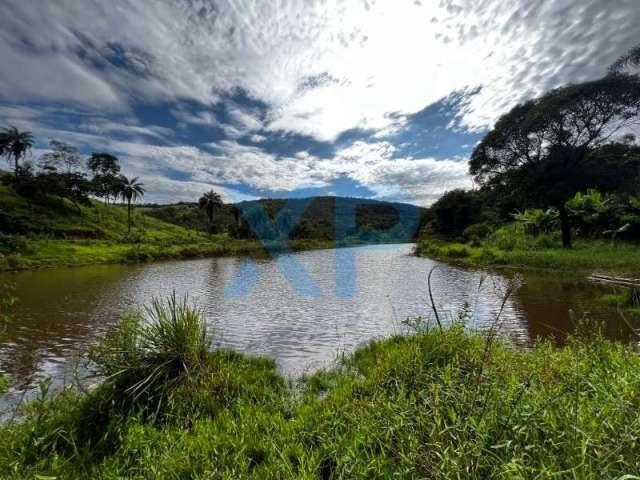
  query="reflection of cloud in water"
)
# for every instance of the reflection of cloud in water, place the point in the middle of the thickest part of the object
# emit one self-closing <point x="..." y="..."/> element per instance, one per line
<point x="61" y="311"/>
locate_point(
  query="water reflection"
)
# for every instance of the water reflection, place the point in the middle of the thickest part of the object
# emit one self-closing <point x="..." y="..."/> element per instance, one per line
<point x="61" y="311"/>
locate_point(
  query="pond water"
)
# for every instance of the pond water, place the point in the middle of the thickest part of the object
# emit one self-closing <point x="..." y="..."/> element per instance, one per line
<point x="253" y="307"/>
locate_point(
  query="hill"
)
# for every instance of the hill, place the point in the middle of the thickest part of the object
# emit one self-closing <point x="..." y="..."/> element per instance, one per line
<point x="58" y="232"/>
<point x="55" y="231"/>
<point x="355" y="220"/>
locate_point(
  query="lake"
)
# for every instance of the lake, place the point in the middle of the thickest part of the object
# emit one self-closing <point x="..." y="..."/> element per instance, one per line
<point x="254" y="308"/>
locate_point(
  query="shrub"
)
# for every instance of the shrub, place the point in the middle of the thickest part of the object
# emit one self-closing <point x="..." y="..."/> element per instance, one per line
<point x="4" y="383"/>
<point x="140" y="254"/>
<point x="487" y="256"/>
<point x="13" y="262"/>
<point x="505" y="240"/>
<point x="145" y="360"/>
<point x="457" y="251"/>
<point x="536" y="221"/>
<point x="477" y="231"/>
<point x="425" y="247"/>
<point x="13" y="244"/>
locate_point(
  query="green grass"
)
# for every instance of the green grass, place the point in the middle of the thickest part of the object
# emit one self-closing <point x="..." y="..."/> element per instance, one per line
<point x="508" y="247"/>
<point x="437" y="404"/>
<point x="63" y="234"/>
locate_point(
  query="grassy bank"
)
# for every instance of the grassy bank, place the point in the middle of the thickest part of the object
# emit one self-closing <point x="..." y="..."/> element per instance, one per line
<point x="510" y="247"/>
<point x="438" y="404"/>
<point x="60" y="233"/>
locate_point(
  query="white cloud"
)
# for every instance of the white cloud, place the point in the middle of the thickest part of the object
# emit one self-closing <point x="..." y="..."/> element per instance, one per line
<point x="420" y="181"/>
<point x="321" y="67"/>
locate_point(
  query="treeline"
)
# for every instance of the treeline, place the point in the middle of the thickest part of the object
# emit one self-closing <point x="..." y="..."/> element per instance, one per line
<point x="566" y="160"/>
<point x="63" y="172"/>
<point x="319" y="218"/>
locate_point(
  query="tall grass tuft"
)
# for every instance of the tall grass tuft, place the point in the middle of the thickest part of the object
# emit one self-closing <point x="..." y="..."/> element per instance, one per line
<point x="149" y="354"/>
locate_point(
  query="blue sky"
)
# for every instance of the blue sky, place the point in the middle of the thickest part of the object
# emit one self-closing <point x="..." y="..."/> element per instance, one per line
<point x="377" y="99"/>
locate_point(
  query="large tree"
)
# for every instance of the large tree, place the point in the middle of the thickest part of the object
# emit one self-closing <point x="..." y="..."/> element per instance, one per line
<point x="61" y="157"/>
<point x="15" y="144"/>
<point x="209" y="202"/>
<point x="543" y="148"/>
<point x="105" y="168"/>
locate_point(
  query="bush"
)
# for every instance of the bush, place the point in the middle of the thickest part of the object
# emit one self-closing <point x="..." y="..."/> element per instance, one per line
<point x="140" y="254"/>
<point x="505" y="239"/>
<point x="487" y="256"/>
<point x="4" y="382"/>
<point x="13" y="262"/>
<point x="145" y="360"/>
<point x="10" y="244"/>
<point x="456" y="251"/>
<point x="476" y="232"/>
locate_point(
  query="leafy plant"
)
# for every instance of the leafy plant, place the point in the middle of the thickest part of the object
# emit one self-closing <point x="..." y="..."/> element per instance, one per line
<point x="536" y="221"/>
<point x="149" y="354"/>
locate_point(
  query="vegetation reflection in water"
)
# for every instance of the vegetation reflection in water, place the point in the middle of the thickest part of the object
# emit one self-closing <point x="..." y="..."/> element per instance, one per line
<point x="62" y="311"/>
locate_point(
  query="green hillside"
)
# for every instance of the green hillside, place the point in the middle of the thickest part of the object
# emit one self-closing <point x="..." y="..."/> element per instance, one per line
<point x="59" y="218"/>
<point x="58" y="232"/>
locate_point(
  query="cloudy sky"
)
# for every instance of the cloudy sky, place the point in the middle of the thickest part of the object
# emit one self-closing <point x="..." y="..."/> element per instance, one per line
<point x="371" y="98"/>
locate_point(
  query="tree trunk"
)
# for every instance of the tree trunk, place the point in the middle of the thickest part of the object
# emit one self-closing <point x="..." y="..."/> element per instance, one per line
<point x="129" y="215"/>
<point x="15" y="159"/>
<point x="565" y="226"/>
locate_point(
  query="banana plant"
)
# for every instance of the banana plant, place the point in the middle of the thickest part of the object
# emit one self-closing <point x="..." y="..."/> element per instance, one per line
<point x="536" y="220"/>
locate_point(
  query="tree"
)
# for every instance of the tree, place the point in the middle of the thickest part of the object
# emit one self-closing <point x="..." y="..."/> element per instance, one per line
<point x="62" y="157"/>
<point x="209" y="202"/>
<point x="542" y="148"/>
<point x="130" y="191"/>
<point x="454" y="212"/>
<point x="105" y="168"/>
<point x="15" y="144"/>
<point x="630" y="59"/>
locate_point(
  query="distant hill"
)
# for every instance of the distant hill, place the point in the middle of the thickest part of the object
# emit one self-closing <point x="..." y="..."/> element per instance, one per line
<point x="356" y="219"/>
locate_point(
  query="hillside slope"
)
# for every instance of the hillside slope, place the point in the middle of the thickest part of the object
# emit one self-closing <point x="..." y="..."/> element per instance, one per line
<point x="58" y="232"/>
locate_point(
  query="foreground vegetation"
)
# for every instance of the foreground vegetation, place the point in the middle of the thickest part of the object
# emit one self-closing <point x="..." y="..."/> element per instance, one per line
<point x="511" y="247"/>
<point x="437" y="404"/>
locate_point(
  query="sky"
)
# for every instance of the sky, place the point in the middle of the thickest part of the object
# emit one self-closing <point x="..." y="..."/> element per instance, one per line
<point x="380" y="99"/>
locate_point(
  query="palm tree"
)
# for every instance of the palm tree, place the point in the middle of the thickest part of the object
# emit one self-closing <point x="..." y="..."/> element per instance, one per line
<point x="630" y="59"/>
<point x="14" y="143"/>
<point x="210" y="201"/>
<point x="130" y="190"/>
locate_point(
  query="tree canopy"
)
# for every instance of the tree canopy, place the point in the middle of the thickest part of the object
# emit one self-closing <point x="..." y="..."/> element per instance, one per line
<point x="15" y="144"/>
<point x="544" y="148"/>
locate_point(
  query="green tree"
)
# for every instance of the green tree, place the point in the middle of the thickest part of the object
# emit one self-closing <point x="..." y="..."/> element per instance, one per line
<point x="130" y="190"/>
<point x="542" y="148"/>
<point x="454" y="212"/>
<point x="209" y="202"/>
<point x="61" y="157"/>
<point x="15" y="144"/>
<point x="106" y="169"/>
